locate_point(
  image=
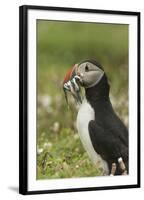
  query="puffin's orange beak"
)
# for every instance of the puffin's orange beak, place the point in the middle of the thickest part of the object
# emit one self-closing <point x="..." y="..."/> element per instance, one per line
<point x="70" y="74"/>
<point x="70" y="83"/>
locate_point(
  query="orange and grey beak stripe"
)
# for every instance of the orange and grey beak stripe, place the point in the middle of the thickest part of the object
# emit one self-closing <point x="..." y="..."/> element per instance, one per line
<point x="70" y="74"/>
<point x="70" y="83"/>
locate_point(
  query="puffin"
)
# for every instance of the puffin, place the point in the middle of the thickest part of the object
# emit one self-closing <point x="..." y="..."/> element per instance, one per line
<point x="102" y="133"/>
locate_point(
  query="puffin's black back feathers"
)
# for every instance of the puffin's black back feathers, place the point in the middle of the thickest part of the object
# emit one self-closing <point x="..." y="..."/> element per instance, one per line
<point x="99" y="91"/>
<point x="108" y="133"/>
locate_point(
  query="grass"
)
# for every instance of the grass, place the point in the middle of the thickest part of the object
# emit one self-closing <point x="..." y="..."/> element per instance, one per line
<point x="60" y="153"/>
<point x="64" y="157"/>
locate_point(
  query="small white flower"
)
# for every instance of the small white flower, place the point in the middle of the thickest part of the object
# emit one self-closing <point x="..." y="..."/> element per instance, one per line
<point x="76" y="136"/>
<point x="47" y="145"/>
<point x="77" y="166"/>
<point x="56" y="126"/>
<point x="45" y="100"/>
<point x="39" y="151"/>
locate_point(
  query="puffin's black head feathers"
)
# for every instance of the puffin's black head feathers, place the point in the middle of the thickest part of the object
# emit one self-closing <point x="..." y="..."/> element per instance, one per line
<point x="93" y="61"/>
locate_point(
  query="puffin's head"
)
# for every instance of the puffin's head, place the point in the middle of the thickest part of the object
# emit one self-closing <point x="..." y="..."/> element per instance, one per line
<point x="90" y="73"/>
<point x="87" y="74"/>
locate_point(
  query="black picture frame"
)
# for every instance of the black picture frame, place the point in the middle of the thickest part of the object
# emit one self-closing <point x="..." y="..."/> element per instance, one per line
<point x="23" y="97"/>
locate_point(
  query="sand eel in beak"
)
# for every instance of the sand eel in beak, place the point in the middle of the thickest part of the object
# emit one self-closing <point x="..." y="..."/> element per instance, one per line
<point x="103" y="135"/>
<point x="71" y="84"/>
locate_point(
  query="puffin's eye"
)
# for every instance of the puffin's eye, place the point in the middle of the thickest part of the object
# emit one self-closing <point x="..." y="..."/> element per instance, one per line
<point x="86" y="68"/>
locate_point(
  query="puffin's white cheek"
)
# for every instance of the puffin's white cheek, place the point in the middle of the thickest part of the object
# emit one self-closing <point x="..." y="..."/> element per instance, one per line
<point x="96" y="76"/>
<point x="87" y="81"/>
<point x="92" y="78"/>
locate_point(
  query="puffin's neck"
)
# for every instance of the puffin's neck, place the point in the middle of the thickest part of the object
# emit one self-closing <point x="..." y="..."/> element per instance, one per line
<point x="98" y="92"/>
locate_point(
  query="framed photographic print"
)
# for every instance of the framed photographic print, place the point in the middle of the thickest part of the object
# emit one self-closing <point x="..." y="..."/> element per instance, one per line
<point x="79" y="99"/>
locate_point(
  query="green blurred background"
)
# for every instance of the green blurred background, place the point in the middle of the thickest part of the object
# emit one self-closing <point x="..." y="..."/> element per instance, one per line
<point x="59" y="46"/>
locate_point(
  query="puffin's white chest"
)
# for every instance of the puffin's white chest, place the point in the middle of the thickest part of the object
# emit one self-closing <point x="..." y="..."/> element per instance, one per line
<point x="86" y="114"/>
